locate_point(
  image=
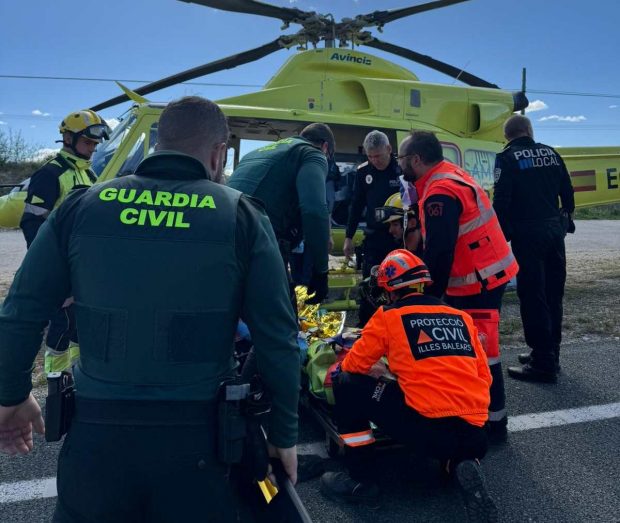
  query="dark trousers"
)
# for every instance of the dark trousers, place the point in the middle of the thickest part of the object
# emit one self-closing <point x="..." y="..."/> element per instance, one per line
<point x="541" y="256"/>
<point x="135" y="474"/>
<point x="301" y="267"/>
<point x="491" y="300"/>
<point x="374" y="250"/>
<point x="360" y="399"/>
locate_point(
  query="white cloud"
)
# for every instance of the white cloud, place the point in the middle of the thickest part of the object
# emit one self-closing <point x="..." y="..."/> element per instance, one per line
<point x="611" y="107"/>
<point x="2" y="123"/>
<point x="43" y="154"/>
<point x="557" y="118"/>
<point x="38" y="112"/>
<point x="536" y="105"/>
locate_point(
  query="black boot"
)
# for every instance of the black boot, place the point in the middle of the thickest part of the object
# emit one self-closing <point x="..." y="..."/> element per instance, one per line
<point x="525" y="357"/>
<point x="341" y="487"/>
<point x="479" y="505"/>
<point x="529" y="373"/>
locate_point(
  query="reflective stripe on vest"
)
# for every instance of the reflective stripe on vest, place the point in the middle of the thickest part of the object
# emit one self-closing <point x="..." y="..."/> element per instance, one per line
<point x="488" y="274"/>
<point x="358" y="439"/>
<point x="72" y="177"/>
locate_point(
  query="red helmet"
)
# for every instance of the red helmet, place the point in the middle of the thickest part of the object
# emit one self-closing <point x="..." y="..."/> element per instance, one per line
<point x="401" y="269"/>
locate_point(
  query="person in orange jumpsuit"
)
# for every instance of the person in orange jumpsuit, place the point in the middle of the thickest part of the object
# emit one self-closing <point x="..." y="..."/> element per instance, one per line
<point x="434" y="398"/>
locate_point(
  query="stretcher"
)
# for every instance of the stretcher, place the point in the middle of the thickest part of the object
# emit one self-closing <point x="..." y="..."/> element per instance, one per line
<point x="322" y="357"/>
<point x="343" y="283"/>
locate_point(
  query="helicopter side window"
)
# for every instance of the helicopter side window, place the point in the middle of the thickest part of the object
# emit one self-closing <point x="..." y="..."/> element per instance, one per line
<point x="415" y="99"/>
<point x="451" y="153"/>
<point x="480" y="165"/>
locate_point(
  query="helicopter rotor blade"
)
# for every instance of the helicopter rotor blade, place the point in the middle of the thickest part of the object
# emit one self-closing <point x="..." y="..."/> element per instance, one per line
<point x="286" y="14"/>
<point x="426" y="60"/>
<point x="212" y="67"/>
<point x="383" y="17"/>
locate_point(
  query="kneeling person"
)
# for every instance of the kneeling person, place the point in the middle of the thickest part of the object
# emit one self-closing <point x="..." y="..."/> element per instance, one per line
<point x="438" y="403"/>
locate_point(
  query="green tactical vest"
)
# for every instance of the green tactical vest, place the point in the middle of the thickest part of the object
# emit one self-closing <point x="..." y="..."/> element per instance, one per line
<point x="157" y="287"/>
<point x="77" y="173"/>
<point x="270" y="174"/>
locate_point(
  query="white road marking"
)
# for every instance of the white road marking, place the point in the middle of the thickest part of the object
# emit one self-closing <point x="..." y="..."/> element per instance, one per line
<point x="46" y="487"/>
<point x="557" y="418"/>
<point x="26" y="490"/>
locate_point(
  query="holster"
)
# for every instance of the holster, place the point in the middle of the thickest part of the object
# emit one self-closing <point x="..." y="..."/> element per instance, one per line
<point x="231" y="421"/>
<point x="60" y="405"/>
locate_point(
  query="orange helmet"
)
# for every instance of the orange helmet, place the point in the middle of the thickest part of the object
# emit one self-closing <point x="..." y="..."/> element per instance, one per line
<point x="401" y="269"/>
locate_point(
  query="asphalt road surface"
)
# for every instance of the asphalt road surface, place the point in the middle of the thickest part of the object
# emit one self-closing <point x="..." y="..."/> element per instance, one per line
<point x="561" y="463"/>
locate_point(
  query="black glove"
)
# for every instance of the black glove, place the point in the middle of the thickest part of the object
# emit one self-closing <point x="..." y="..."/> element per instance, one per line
<point x="318" y="287"/>
<point x="567" y="221"/>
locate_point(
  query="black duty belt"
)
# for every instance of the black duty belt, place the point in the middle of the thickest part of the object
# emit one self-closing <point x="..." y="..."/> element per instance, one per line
<point x="144" y="413"/>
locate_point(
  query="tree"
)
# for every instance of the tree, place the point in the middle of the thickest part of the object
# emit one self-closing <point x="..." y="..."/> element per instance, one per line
<point x="14" y="148"/>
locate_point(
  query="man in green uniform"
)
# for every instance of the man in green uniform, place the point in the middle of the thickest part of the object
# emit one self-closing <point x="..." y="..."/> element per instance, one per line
<point x="288" y="176"/>
<point x="162" y="264"/>
<point x="47" y="188"/>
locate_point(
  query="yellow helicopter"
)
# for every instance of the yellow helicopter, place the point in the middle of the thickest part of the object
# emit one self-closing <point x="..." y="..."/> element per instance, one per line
<point x="352" y="91"/>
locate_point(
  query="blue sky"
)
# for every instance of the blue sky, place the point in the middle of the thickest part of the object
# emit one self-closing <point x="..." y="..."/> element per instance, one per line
<point x="566" y="46"/>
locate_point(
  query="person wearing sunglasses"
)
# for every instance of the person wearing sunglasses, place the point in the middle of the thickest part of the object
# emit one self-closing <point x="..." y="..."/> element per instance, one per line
<point x="47" y="188"/>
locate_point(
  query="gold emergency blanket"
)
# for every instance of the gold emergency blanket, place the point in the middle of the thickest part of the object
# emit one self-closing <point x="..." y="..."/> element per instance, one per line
<point x="317" y="323"/>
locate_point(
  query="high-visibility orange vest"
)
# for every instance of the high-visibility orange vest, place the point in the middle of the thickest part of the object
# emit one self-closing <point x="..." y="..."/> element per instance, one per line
<point x="481" y="254"/>
<point x="435" y="353"/>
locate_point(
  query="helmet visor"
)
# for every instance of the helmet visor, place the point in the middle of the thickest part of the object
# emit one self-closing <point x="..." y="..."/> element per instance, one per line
<point x="97" y="132"/>
<point x="385" y="214"/>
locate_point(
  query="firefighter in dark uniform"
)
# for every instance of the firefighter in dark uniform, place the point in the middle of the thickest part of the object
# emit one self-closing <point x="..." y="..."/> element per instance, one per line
<point x="162" y="264"/>
<point x="81" y="132"/>
<point x="289" y="177"/>
<point x="529" y="179"/>
<point x="464" y="248"/>
<point x="434" y="399"/>
<point x="375" y="181"/>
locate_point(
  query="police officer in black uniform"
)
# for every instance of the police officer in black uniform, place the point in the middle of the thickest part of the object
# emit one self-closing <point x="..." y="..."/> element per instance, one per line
<point x="529" y="178"/>
<point x="162" y="264"/>
<point x="375" y="181"/>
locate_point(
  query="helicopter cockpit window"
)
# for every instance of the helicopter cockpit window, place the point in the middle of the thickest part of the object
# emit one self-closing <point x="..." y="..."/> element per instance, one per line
<point x="105" y="151"/>
<point x="230" y="162"/>
<point x="134" y="157"/>
<point x="480" y="165"/>
<point x="152" y="139"/>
